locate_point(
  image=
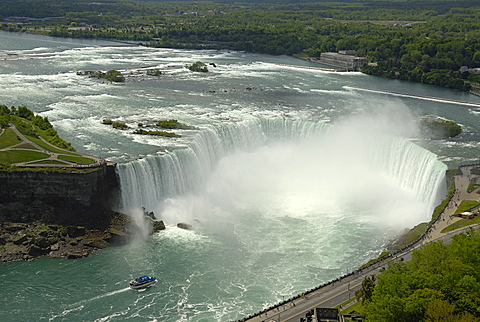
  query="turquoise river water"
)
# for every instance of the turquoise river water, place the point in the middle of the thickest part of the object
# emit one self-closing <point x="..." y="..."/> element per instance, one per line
<point x="290" y="179"/>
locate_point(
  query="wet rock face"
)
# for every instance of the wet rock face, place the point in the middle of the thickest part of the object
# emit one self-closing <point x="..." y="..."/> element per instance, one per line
<point x="158" y="225"/>
<point x="75" y="231"/>
<point x="183" y="225"/>
<point x="36" y="251"/>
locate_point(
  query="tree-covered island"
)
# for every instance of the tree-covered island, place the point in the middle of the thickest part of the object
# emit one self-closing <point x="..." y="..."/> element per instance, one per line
<point x="439" y="128"/>
<point x="113" y="76"/>
<point x="171" y="124"/>
<point x="432" y="42"/>
<point x="198" y="67"/>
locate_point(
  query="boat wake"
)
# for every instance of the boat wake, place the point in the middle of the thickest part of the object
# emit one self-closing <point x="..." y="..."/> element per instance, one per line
<point x="107" y="294"/>
<point x="81" y="305"/>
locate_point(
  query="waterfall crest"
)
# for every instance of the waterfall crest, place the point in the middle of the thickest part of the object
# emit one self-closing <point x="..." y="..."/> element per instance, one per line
<point x="342" y="158"/>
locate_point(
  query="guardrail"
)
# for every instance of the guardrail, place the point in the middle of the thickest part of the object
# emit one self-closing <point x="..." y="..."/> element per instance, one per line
<point x="407" y="248"/>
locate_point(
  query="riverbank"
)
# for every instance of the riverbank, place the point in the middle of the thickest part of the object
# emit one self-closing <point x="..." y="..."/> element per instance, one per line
<point x="333" y="293"/>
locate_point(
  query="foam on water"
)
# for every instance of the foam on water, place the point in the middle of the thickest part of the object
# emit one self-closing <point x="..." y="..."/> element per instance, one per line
<point x="225" y="170"/>
<point x="279" y="201"/>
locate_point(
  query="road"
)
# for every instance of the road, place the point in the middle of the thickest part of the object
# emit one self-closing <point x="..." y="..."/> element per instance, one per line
<point x="337" y="292"/>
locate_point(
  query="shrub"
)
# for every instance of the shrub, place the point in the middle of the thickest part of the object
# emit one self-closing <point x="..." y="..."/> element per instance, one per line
<point x="198" y="67"/>
<point x="119" y="125"/>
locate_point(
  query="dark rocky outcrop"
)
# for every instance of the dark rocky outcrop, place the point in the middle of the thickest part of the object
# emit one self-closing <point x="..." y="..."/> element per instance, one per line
<point x="75" y="231"/>
<point x="183" y="225"/>
<point x="26" y="241"/>
<point x="158" y="225"/>
<point x="63" y="214"/>
<point x="117" y="237"/>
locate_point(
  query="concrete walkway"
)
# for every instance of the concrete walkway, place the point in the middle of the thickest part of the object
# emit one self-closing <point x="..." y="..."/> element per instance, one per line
<point x="461" y="193"/>
<point x="27" y="145"/>
<point x="340" y="290"/>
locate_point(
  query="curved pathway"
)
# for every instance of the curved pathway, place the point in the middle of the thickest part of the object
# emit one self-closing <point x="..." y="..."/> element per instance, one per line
<point x="28" y="145"/>
<point x="461" y="194"/>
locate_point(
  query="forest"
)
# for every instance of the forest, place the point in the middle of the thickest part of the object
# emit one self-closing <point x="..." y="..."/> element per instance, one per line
<point x="439" y="283"/>
<point x="420" y="41"/>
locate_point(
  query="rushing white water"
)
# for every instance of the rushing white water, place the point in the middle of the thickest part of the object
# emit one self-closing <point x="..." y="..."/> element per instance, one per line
<point x="301" y="165"/>
<point x="291" y="179"/>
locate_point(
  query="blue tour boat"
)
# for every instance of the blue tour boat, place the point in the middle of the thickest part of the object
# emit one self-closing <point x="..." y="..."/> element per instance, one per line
<point x="143" y="282"/>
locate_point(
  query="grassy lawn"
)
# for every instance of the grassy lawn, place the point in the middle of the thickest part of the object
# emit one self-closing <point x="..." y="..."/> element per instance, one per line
<point x="415" y="233"/>
<point x="473" y="185"/>
<point x="8" y="138"/>
<point x="50" y="162"/>
<point x="461" y="223"/>
<point x="49" y="147"/>
<point x="357" y="307"/>
<point x="451" y="190"/>
<point x="76" y="159"/>
<point x="466" y="205"/>
<point x="27" y="146"/>
<point x="15" y="156"/>
<point x="383" y="254"/>
<point x="35" y="149"/>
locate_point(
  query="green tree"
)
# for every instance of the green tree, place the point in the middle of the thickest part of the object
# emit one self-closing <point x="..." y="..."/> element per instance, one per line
<point x="24" y="112"/>
<point x="440" y="311"/>
<point x="440" y="283"/>
<point x="365" y="293"/>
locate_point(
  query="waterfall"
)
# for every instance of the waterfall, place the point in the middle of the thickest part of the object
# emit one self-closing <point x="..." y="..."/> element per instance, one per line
<point x="304" y="156"/>
<point x="413" y="168"/>
<point x="147" y="181"/>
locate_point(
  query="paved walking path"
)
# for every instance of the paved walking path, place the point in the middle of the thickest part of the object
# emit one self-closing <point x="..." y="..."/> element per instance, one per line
<point x="26" y="144"/>
<point x="461" y="193"/>
<point x="339" y="291"/>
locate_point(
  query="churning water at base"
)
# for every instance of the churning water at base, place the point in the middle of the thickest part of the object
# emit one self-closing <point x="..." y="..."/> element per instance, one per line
<point x="289" y="168"/>
<point x="278" y="207"/>
<point x="290" y="180"/>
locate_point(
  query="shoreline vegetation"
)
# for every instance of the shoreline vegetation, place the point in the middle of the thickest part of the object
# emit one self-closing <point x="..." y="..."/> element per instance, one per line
<point x="431" y="45"/>
<point x="435" y="43"/>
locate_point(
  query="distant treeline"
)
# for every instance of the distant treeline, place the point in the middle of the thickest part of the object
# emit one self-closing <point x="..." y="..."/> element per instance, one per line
<point x="422" y="41"/>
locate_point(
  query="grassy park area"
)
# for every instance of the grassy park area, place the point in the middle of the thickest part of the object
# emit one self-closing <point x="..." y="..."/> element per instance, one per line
<point x="17" y="156"/>
<point x="29" y="141"/>
<point x="8" y="138"/>
<point x="76" y="159"/>
<point x="461" y="223"/>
